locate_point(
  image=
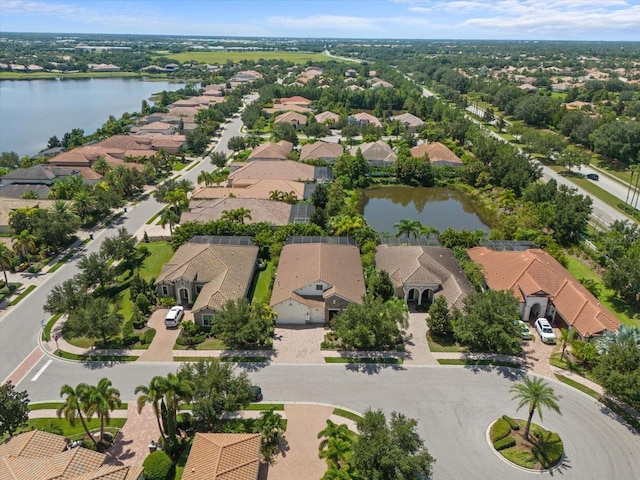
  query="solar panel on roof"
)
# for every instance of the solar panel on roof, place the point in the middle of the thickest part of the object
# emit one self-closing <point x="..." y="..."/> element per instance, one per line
<point x="221" y="240"/>
<point x="404" y="241"/>
<point x="314" y="239"/>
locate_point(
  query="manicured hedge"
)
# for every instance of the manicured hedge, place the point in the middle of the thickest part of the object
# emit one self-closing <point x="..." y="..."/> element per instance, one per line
<point x="500" y="430"/>
<point x="147" y="336"/>
<point x="505" y="442"/>
<point x="158" y="466"/>
<point x="512" y="423"/>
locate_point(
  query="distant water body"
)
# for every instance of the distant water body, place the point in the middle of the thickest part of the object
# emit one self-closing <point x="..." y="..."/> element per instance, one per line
<point x="32" y="111"/>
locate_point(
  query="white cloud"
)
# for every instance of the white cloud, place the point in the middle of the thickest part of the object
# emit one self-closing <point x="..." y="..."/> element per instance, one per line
<point x="316" y="22"/>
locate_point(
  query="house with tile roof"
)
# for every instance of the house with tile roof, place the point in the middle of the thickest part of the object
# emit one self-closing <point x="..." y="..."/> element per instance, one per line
<point x="411" y="122"/>
<point x="262" y="210"/>
<point x="8" y="205"/>
<point x="46" y="456"/>
<point x="38" y="179"/>
<point x="420" y="273"/>
<point x="207" y="271"/>
<point x="325" y="151"/>
<point x="257" y="188"/>
<point x="327" y="117"/>
<point x="223" y="456"/>
<point x="295" y="100"/>
<point x="364" y="118"/>
<point x="438" y="154"/>
<point x="246" y="173"/>
<point x="271" y="151"/>
<point x="295" y="119"/>
<point x="544" y="288"/>
<point x="315" y="281"/>
<point x="377" y="153"/>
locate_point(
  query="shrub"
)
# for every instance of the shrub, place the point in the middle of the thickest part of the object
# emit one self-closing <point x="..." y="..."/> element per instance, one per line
<point x="167" y="302"/>
<point x="540" y="457"/>
<point x="500" y="430"/>
<point x="185" y="421"/>
<point x="127" y="329"/>
<point x="512" y="423"/>
<point x="142" y="302"/>
<point x="506" y="442"/>
<point x="2" y="284"/>
<point x="158" y="466"/>
<point x="189" y="341"/>
<point x="147" y="336"/>
<point x="130" y="340"/>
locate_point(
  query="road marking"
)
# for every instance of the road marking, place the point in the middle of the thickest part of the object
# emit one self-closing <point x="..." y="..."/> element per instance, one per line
<point x="41" y="371"/>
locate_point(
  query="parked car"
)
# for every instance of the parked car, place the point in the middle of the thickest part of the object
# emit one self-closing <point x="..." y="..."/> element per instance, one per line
<point x="523" y="330"/>
<point x="545" y="331"/>
<point x="592" y="176"/>
<point x="174" y="316"/>
<point x="257" y="393"/>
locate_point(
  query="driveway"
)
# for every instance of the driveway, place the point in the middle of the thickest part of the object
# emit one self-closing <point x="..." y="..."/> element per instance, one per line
<point x="298" y="344"/>
<point x="161" y="348"/>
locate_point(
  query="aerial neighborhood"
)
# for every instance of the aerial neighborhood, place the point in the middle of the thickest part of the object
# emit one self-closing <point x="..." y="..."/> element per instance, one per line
<point x="371" y="262"/>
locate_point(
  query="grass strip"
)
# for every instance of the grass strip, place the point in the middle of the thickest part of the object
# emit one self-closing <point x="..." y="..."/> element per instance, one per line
<point x="96" y="358"/>
<point x="223" y="359"/>
<point x="193" y="165"/>
<point x="46" y="333"/>
<point x="264" y="407"/>
<point x="389" y="361"/>
<point x="64" y="260"/>
<point x="153" y="218"/>
<point x="55" y="405"/>
<point x="27" y="291"/>
<point x="347" y="414"/>
<point x="464" y="361"/>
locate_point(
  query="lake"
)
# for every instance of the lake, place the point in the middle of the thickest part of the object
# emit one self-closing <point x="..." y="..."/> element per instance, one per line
<point x="32" y="111"/>
<point x="437" y="207"/>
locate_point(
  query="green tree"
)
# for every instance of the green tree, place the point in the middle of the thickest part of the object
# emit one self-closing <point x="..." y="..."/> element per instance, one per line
<point x="487" y="323"/>
<point x="622" y="336"/>
<point x="271" y="428"/>
<point x="392" y="451"/>
<point x="175" y="389"/>
<point x="95" y="319"/>
<point x="218" y="159"/>
<point x="66" y="297"/>
<point x="439" y="318"/>
<point x="170" y="217"/>
<point x="623" y="275"/>
<point x="567" y="335"/>
<point x="352" y="169"/>
<point x="23" y="244"/>
<point x="618" y="371"/>
<point x="407" y="227"/>
<point x="75" y="405"/>
<point x="6" y="257"/>
<point x="151" y="394"/>
<point x="414" y="171"/>
<point x="14" y="409"/>
<point x="216" y="389"/>
<point x="101" y="166"/>
<point x="534" y="393"/>
<point x="336" y="445"/>
<point x="379" y="284"/>
<point x="101" y="400"/>
<point x="83" y="204"/>
<point x="236" y="144"/>
<point x="94" y="268"/>
<point x="239" y="324"/>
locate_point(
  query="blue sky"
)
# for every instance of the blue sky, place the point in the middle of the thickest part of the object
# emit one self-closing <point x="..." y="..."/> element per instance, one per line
<point x="466" y="19"/>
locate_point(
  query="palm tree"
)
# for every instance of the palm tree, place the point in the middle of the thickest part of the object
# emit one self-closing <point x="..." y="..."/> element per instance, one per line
<point x="426" y="231"/>
<point x="253" y="141"/>
<point x="566" y="336"/>
<point x="336" y="444"/>
<point x="168" y="216"/>
<point x="346" y="224"/>
<point x="207" y="178"/>
<point x="535" y="393"/>
<point x="271" y="428"/>
<point x="101" y="166"/>
<point x="408" y="226"/>
<point x="83" y="204"/>
<point x="242" y="213"/>
<point x="177" y="198"/>
<point x="102" y="400"/>
<point x="175" y="390"/>
<point x="151" y="394"/>
<point x="275" y="195"/>
<point x="6" y="255"/>
<point x="24" y="243"/>
<point x="74" y="405"/>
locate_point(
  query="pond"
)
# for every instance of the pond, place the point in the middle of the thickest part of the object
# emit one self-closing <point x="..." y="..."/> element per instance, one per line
<point x="437" y="207"/>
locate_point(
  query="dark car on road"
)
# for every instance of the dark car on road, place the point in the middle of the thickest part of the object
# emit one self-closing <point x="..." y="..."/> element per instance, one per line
<point x="592" y="176"/>
<point x="257" y="393"/>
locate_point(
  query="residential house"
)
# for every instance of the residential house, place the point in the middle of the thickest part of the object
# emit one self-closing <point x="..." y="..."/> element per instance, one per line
<point x="207" y="271"/>
<point x="38" y="178"/>
<point x="325" y="151"/>
<point x="246" y="173"/>
<point x="8" y="205"/>
<point x="327" y="117"/>
<point x="377" y="153"/>
<point x="257" y="188"/>
<point x="355" y="88"/>
<point x="544" y="288"/>
<point x="261" y="210"/>
<point x="351" y="73"/>
<point x="438" y="154"/>
<point x="297" y="120"/>
<point x="527" y="87"/>
<point x="157" y="127"/>
<point x="223" y="456"/>
<point x="381" y="84"/>
<point x="364" y="118"/>
<point x="420" y="274"/>
<point x="42" y="455"/>
<point x="316" y="280"/>
<point x="292" y="107"/>
<point x="271" y="151"/>
<point x="411" y="122"/>
<point x="104" y="67"/>
<point x="295" y="100"/>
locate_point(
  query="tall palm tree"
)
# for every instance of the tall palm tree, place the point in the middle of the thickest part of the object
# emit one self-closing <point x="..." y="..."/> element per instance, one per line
<point x="152" y="395"/>
<point x="169" y="216"/>
<point x="102" y="400"/>
<point x="566" y="336"/>
<point x="175" y="390"/>
<point x="101" y="166"/>
<point x="24" y="243"/>
<point x="426" y="231"/>
<point x="535" y="393"/>
<point x="6" y="255"/>
<point x="74" y="405"/>
<point x="242" y="213"/>
<point x="207" y="178"/>
<point x="408" y="227"/>
<point x="83" y="204"/>
<point x="177" y="198"/>
<point x="336" y="444"/>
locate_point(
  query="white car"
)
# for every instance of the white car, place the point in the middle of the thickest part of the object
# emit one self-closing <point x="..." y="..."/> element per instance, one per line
<point x="174" y="316"/>
<point x="545" y="331"/>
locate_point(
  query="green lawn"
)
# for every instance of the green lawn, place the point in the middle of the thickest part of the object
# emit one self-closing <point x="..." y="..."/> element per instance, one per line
<point x="67" y="429"/>
<point x="26" y="292"/>
<point x="440" y="345"/>
<point x="222" y="57"/>
<point x="346" y="414"/>
<point x="55" y="405"/>
<point x="5" y="293"/>
<point x="382" y="360"/>
<point x="624" y="312"/>
<point x="262" y="293"/>
<point x="208" y="344"/>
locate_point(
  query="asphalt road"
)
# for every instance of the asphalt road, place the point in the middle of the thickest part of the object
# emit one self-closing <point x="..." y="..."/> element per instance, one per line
<point x="454" y="407"/>
<point x="19" y="328"/>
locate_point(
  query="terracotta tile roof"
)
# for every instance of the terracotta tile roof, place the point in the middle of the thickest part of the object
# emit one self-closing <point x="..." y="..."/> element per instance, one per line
<point x="327" y="117"/>
<point x="437" y="153"/>
<point x="223" y="456"/>
<point x="531" y="271"/>
<point x="271" y="151"/>
<point x="291" y="117"/>
<point x="409" y="120"/>
<point x="321" y="150"/>
<point x="273" y="170"/>
<point x="296" y="99"/>
<point x="418" y="265"/>
<point x="270" y="211"/>
<point x="303" y="264"/>
<point x="278" y="107"/>
<point x="252" y="188"/>
<point x="375" y="151"/>
<point x="226" y="271"/>
<point x="156" y="126"/>
<point x="364" y="117"/>
<point x="7" y="205"/>
<point x="33" y="444"/>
